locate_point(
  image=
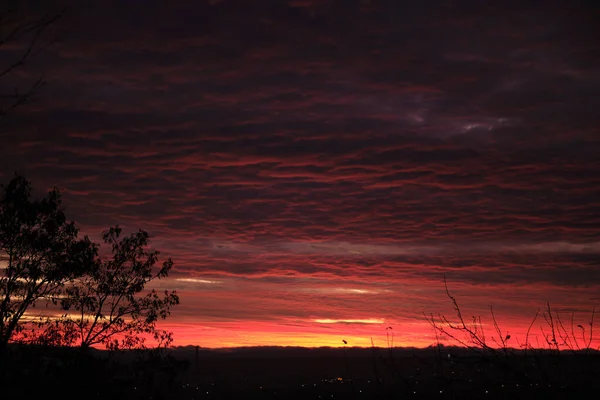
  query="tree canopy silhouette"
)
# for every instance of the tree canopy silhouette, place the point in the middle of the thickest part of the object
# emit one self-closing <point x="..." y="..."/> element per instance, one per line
<point x="110" y="306"/>
<point x="40" y="250"/>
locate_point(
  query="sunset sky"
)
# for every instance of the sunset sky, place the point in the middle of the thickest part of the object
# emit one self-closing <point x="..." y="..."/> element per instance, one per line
<point x="315" y="167"/>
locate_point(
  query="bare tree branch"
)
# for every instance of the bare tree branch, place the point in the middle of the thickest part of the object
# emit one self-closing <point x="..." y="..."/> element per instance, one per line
<point x="22" y="32"/>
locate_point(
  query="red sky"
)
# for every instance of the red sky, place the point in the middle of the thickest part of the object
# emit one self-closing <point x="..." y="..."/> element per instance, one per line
<point x="315" y="168"/>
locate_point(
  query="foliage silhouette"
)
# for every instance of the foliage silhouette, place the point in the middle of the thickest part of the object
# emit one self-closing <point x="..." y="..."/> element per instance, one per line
<point x="104" y="299"/>
<point x="107" y="306"/>
<point x="41" y="250"/>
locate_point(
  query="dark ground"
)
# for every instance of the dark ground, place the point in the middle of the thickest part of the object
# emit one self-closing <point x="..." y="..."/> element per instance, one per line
<point x="298" y="374"/>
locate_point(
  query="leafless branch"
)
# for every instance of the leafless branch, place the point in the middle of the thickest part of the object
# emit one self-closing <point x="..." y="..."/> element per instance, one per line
<point x="20" y="31"/>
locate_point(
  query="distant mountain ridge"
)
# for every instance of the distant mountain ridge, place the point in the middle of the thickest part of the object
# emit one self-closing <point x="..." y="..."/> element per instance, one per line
<point x="310" y="352"/>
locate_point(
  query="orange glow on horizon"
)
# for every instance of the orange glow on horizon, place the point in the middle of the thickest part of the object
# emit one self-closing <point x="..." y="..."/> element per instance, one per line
<point x="270" y="334"/>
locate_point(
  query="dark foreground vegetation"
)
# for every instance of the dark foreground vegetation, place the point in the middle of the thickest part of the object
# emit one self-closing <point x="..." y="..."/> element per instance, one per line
<point x="290" y="373"/>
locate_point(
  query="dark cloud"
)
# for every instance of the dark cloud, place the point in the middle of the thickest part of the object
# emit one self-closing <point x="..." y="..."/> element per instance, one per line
<point x="332" y="145"/>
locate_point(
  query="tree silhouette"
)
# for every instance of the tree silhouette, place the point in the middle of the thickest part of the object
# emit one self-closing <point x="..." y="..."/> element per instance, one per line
<point x="20" y="34"/>
<point x="41" y="252"/>
<point x="110" y="306"/>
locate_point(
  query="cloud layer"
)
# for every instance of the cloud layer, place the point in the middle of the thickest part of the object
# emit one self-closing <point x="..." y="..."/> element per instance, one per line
<point x="329" y="160"/>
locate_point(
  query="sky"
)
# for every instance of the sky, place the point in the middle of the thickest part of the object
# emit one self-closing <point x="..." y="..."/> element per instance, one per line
<point x="315" y="168"/>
